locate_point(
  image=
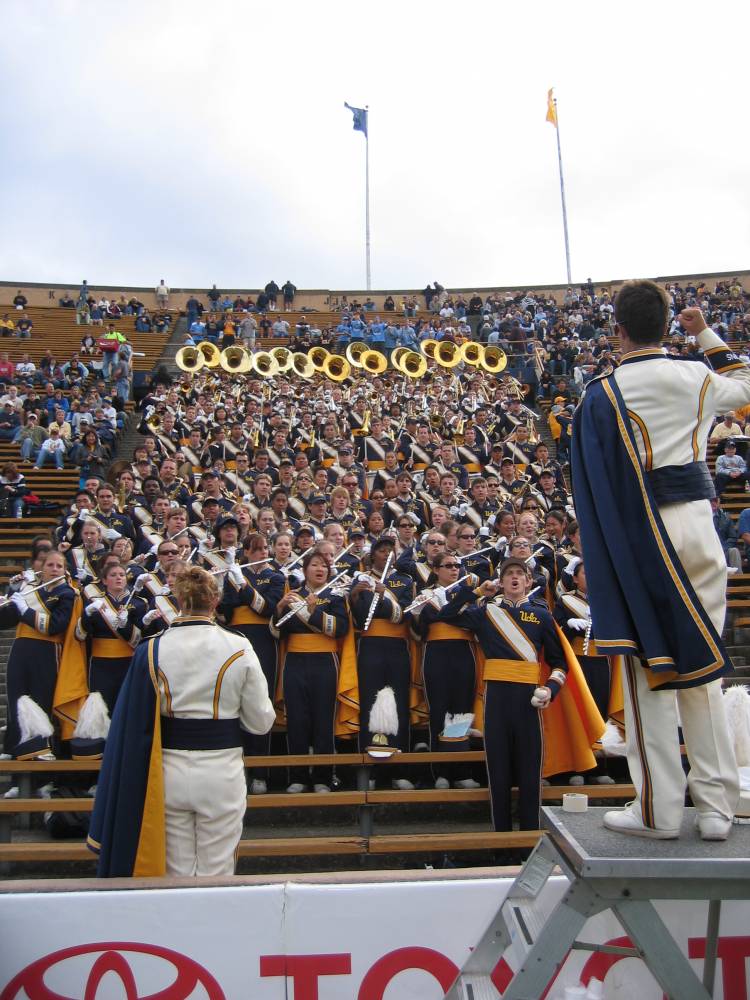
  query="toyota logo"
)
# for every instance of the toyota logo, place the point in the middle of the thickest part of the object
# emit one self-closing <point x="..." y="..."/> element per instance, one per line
<point x="111" y="958"/>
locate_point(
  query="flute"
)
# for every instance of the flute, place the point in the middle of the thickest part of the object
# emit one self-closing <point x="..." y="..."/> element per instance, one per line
<point x="293" y="611"/>
<point x="8" y="599"/>
<point x="487" y="548"/>
<point x="377" y="597"/>
<point x="426" y="596"/>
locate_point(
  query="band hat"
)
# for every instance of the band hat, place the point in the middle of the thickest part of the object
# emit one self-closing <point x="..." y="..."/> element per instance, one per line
<point x="223" y="522"/>
<point x="509" y="564"/>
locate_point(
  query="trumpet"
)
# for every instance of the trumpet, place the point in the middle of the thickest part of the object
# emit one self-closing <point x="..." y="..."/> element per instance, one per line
<point x="8" y="599"/>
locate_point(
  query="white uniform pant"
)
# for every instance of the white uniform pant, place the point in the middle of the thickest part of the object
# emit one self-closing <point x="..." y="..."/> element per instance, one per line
<point x="651" y="721"/>
<point x="205" y="797"/>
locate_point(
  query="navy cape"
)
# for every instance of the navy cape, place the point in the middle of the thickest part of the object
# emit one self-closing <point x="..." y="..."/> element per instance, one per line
<point x="642" y="602"/>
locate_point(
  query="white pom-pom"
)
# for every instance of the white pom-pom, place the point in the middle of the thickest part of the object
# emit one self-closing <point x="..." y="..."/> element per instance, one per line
<point x="384" y="714"/>
<point x="612" y="742"/>
<point x="737" y="708"/>
<point x="93" y="720"/>
<point x="32" y="720"/>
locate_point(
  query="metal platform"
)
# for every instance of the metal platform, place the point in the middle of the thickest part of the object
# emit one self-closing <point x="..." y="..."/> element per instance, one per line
<point x="607" y="871"/>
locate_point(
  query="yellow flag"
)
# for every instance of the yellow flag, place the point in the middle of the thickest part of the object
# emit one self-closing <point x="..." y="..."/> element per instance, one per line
<point x="551" y="109"/>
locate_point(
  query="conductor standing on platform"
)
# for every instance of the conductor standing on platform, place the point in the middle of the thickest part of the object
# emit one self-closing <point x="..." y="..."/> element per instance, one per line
<point x="656" y="570"/>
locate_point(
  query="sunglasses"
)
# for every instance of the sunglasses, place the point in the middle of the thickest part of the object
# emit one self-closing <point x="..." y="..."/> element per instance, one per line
<point x="450" y="565"/>
<point x="467" y="536"/>
<point x="435" y="541"/>
<point x="169" y="552"/>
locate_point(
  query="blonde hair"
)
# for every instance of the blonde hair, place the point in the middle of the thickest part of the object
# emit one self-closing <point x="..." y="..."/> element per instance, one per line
<point x="195" y="590"/>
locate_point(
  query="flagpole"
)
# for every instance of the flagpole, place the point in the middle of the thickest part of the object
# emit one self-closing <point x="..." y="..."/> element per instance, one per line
<point x="562" y="193"/>
<point x="367" y="201"/>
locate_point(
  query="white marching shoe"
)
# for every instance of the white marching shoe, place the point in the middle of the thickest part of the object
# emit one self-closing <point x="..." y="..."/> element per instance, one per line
<point x="628" y="821"/>
<point x="296" y="787"/>
<point x="466" y="783"/>
<point x="402" y="785"/>
<point x="258" y="787"/>
<point x="442" y="783"/>
<point x="321" y="789"/>
<point x="713" y="826"/>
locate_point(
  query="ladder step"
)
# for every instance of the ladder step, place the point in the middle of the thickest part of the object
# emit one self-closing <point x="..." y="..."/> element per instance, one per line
<point x="471" y="986"/>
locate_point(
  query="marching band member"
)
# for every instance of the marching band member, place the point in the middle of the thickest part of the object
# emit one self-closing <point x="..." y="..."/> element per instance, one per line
<point x="172" y="793"/>
<point x="310" y="668"/>
<point x="383" y="654"/>
<point x="249" y="600"/>
<point x="449" y="667"/>
<point x="83" y="559"/>
<point x="513" y="634"/>
<point x="37" y="653"/>
<point x="112" y="623"/>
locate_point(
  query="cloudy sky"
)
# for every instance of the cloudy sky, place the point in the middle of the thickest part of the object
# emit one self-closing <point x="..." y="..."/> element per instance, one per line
<point x="208" y="142"/>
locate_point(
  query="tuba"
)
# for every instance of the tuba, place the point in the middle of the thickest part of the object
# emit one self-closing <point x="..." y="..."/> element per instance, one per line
<point x="428" y="348"/>
<point x="210" y="352"/>
<point x="302" y="365"/>
<point x="396" y="354"/>
<point x="283" y="358"/>
<point x="472" y="353"/>
<point x="264" y="364"/>
<point x="413" y="365"/>
<point x="318" y="355"/>
<point x="494" y="359"/>
<point x="190" y="359"/>
<point x="235" y="360"/>
<point x="354" y="352"/>
<point x="336" y="368"/>
<point x="373" y="362"/>
<point x="447" y="354"/>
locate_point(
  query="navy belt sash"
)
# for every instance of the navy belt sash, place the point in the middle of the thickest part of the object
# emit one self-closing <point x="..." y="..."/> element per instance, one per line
<point x="200" y="734"/>
<point x="681" y="483"/>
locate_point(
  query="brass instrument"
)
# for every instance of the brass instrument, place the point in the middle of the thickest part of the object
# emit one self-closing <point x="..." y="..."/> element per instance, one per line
<point x="318" y="356"/>
<point x="373" y="362"/>
<point x="354" y="352"/>
<point x="494" y="360"/>
<point x="396" y="354"/>
<point x="235" y="360"/>
<point x="211" y="353"/>
<point x="265" y="364"/>
<point x="302" y="365"/>
<point x="428" y="348"/>
<point x="284" y="358"/>
<point x="472" y="353"/>
<point x="511" y="387"/>
<point x="190" y="359"/>
<point x="336" y="368"/>
<point x="413" y="365"/>
<point x="447" y="354"/>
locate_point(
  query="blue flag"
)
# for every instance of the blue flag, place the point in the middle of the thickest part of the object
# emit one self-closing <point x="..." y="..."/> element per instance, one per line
<point x="360" y="118"/>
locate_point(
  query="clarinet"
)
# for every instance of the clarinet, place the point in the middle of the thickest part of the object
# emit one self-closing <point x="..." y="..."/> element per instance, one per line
<point x="376" y="597"/>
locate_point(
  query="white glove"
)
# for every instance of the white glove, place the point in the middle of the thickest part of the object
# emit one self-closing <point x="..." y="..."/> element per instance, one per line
<point x="81" y="575"/>
<point x="164" y="591"/>
<point x="230" y="554"/>
<point x="491" y="520"/>
<point x="484" y="531"/>
<point x="531" y="562"/>
<point x="122" y="617"/>
<point x="462" y="508"/>
<point x="95" y="605"/>
<point x="579" y="624"/>
<point x="205" y="545"/>
<point x="82" y="515"/>
<point x="453" y="511"/>
<point x="236" y="576"/>
<point x="29" y="575"/>
<point x="139" y="583"/>
<point x="500" y="542"/>
<point x="247" y="497"/>
<point x="151" y="616"/>
<point x="154" y="550"/>
<point x="111" y="535"/>
<point x="440" y="597"/>
<point x="20" y="602"/>
<point x="541" y="698"/>
<point x="414" y="518"/>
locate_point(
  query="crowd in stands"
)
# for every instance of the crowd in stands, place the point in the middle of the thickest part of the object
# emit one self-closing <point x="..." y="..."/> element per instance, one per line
<point x="398" y="487"/>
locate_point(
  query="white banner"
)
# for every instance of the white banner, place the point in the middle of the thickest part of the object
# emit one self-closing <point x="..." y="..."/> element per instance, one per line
<point x="384" y="941"/>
